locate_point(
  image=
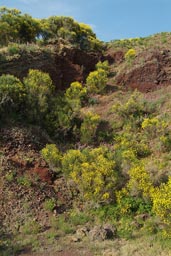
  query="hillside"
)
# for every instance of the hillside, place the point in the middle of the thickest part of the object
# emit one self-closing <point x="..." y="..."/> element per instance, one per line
<point x="85" y="140"/>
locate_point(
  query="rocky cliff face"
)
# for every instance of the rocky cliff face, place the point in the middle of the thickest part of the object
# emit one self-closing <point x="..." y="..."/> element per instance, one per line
<point x="149" y="71"/>
<point x="64" y="67"/>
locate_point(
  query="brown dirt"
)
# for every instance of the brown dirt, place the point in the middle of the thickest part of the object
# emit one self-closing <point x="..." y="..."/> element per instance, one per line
<point x="112" y="57"/>
<point x="149" y="71"/>
<point x="63" y="66"/>
<point x="69" y="252"/>
<point x="20" y="155"/>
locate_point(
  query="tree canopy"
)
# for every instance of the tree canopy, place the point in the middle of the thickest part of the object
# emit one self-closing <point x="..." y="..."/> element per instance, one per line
<point x="16" y="27"/>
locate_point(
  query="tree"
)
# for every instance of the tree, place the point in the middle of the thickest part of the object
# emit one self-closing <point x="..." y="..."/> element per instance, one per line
<point x="18" y="28"/>
<point x="77" y="34"/>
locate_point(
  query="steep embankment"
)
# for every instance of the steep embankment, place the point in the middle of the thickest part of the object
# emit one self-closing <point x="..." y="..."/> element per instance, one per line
<point x="33" y="196"/>
<point x="149" y="71"/>
<point x="150" y="67"/>
<point x="64" y="66"/>
<point x="26" y="181"/>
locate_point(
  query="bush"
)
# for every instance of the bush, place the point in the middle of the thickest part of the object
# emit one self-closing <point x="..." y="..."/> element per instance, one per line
<point x="140" y="183"/>
<point x="39" y="89"/>
<point x="12" y="93"/>
<point x="73" y="96"/>
<point x="96" y="81"/>
<point x="64" y="226"/>
<point x="125" y="228"/>
<point x="49" y="204"/>
<point x="130" y="54"/>
<point x="31" y="227"/>
<point x="154" y="127"/>
<point x="13" y="49"/>
<point x="93" y="172"/>
<point x="89" y="127"/>
<point x="136" y="108"/>
<point x="135" y="196"/>
<point x="103" y="65"/>
<point x="24" y="181"/>
<point x="70" y="159"/>
<point x="161" y="198"/>
<point x="52" y="156"/>
<point x="78" y="218"/>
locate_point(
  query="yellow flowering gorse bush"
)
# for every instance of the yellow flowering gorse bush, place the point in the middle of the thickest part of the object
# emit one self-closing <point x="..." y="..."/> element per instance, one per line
<point x="89" y="127"/>
<point x="130" y="54"/>
<point x="92" y="171"/>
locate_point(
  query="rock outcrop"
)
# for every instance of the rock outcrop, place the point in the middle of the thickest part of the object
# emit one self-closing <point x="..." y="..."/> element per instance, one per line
<point x="64" y="66"/>
<point x="148" y="71"/>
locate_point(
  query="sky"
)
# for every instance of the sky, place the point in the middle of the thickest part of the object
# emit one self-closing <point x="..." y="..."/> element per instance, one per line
<point x="110" y="19"/>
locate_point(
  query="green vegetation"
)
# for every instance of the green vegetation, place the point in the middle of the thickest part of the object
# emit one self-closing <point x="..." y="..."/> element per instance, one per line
<point x="16" y="27"/>
<point x="89" y="127"/>
<point x="111" y="145"/>
<point x="97" y="80"/>
<point x="50" y="204"/>
<point x="74" y="95"/>
<point x="39" y="89"/>
<point x="12" y="94"/>
<point x="130" y="55"/>
<point x="119" y="175"/>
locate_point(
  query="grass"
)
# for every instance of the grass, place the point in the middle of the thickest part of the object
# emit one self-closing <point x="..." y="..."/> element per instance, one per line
<point x="49" y="204"/>
<point x="160" y="40"/>
<point x="31" y="227"/>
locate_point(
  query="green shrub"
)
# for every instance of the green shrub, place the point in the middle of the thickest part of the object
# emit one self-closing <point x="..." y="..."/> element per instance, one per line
<point x="139" y="182"/>
<point x="96" y="81"/>
<point x="93" y="101"/>
<point x="31" y="227"/>
<point x="125" y="228"/>
<point x="63" y="225"/>
<point x="10" y="176"/>
<point x="130" y="54"/>
<point x="12" y="93"/>
<point x="78" y="218"/>
<point x="24" y="181"/>
<point x="52" y="156"/>
<point x="72" y="159"/>
<point x="89" y="127"/>
<point x="13" y="49"/>
<point x="161" y="198"/>
<point x="106" y="213"/>
<point x="135" y="197"/>
<point x="39" y="89"/>
<point x="49" y="204"/>
<point x="93" y="172"/>
<point x="103" y="65"/>
<point x="154" y="127"/>
<point x="133" y="111"/>
<point x="74" y="95"/>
